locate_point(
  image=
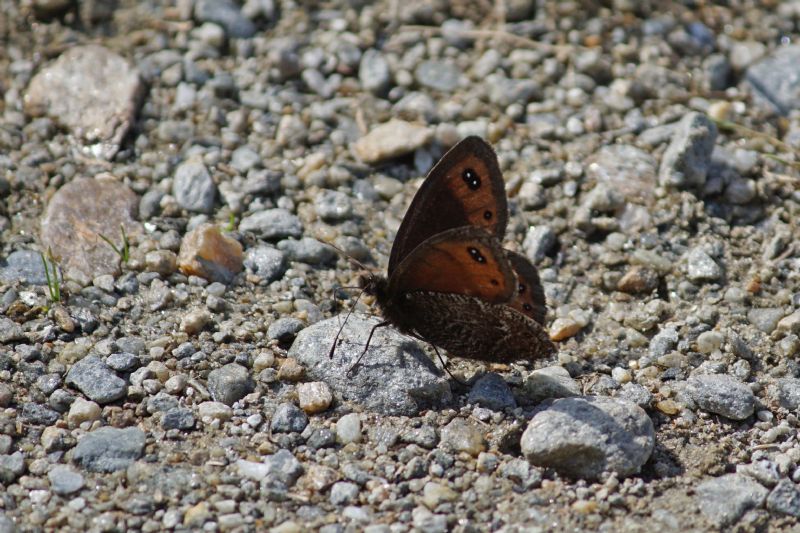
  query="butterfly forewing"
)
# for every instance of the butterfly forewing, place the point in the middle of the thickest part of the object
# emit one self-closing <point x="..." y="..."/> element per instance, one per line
<point x="465" y="188"/>
<point x="465" y="261"/>
<point x="529" y="298"/>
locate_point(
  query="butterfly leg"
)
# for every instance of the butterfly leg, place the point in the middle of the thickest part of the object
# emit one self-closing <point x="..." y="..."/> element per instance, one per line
<point x="444" y="365"/>
<point x="369" y="339"/>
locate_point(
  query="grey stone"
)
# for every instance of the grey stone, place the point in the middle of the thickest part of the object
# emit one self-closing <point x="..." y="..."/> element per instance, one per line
<point x="150" y="204"/>
<point x="96" y="380"/>
<point x="230" y="383"/>
<point x="122" y="362"/>
<point x="161" y="403"/>
<point x="307" y="250"/>
<point x="766" y="318"/>
<point x="584" y="437"/>
<point x="272" y="224"/>
<point x="25" y="266"/>
<point x="629" y="170"/>
<point x="539" y="240"/>
<point x="726" y="498"/>
<point x="333" y="206"/>
<point x="785" y="498"/>
<point x="491" y="391"/>
<point x="721" y="394"/>
<point x="10" y="331"/>
<point x="717" y="70"/>
<point x="409" y="380"/>
<point x="64" y="480"/>
<point x="37" y="414"/>
<point x="635" y="393"/>
<point x="266" y="262"/>
<point x="549" y="382"/>
<point x="178" y="418"/>
<point x="93" y="92"/>
<point x="7" y="525"/>
<point x="193" y="188"/>
<point x="47" y="383"/>
<point x="245" y="158"/>
<point x="343" y="493"/>
<point x="506" y="91"/>
<point x="282" y="466"/>
<point x="373" y="72"/>
<point x="11" y="467"/>
<point x="227" y="14"/>
<point x="438" y="75"/>
<point x="288" y="418"/>
<point x="786" y="391"/>
<point x="687" y="159"/>
<point x="108" y="449"/>
<point x="775" y="81"/>
<point x="663" y="342"/>
<point x="700" y="267"/>
<point x="284" y="330"/>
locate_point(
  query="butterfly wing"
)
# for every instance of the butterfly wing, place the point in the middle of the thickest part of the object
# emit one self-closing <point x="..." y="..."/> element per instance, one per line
<point x="465" y="188"/>
<point x="472" y="328"/>
<point x="465" y="260"/>
<point x="529" y="298"/>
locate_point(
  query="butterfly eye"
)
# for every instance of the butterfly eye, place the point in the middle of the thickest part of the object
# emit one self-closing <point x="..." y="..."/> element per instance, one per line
<point x="527" y="307"/>
<point x="476" y="255"/>
<point x="521" y="288"/>
<point x="472" y="179"/>
<point x="487" y="215"/>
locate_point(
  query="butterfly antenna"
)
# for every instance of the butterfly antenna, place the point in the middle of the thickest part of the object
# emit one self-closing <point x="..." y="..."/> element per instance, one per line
<point x="349" y="312"/>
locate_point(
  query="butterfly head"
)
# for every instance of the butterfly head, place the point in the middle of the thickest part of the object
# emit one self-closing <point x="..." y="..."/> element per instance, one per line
<point x="374" y="285"/>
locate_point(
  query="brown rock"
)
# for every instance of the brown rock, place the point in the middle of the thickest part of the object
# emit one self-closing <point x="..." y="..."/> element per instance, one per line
<point x="392" y="139"/>
<point x="77" y="215"/>
<point x="637" y="280"/>
<point x="207" y="253"/>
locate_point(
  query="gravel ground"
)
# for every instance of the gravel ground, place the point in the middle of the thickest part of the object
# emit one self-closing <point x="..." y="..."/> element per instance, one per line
<point x="181" y="165"/>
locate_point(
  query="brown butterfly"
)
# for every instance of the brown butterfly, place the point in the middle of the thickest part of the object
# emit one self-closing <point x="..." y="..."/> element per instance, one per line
<point x="449" y="282"/>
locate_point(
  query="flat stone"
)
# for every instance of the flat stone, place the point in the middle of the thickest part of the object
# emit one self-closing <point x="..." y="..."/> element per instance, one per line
<point x="23" y="265"/>
<point x="391" y="139"/>
<point x="700" y="267"/>
<point x="409" y="379"/>
<point x="272" y="224"/>
<point x="77" y="215"/>
<point x="307" y="250"/>
<point x="193" y="188"/>
<point x="774" y="79"/>
<point x="726" y="498"/>
<point x="785" y="499"/>
<point x="587" y="436"/>
<point x="266" y="262"/>
<point x="96" y="380"/>
<point x="64" y="480"/>
<point x="721" y="394"/>
<point x="628" y="169"/>
<point x="108" y="449"/>
<point x="288" y="418"/>
<point x="462" y="436"/>
<point x="90" y="90"/>
<point x="348" y="429"/>
<point x="226" y="14"/>
<point x="314" y="397"/>
<point x="549" y="382"/>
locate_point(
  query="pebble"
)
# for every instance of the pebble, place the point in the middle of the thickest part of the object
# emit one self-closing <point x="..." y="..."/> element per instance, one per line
<point x="272" y="224"/>
<point x="178" y="418"/>
<point x="193" y="188"/>
<point x="438" y="75"/>
<point x="11" y="467"/>
<point x="214" y="411"/>
<point x="391" y="139"/>
<point x="64" y="480"/>
<point x="122" y="361"/>
<point x="207" y="253"/>
<point x="539" y="241"/>
<point x="771" y="81"/>
<point x="492" y="392"/>
<point x="343" y="493"/>
<point x="288" y="418"/>
<point x="83" y="411"/>
<point x="765" y="319"/>
<point x="290" y="370"/>
<point x="307" y="250"/>
<point x="549" y="382"/>
<point x="226" y="14"/>
<point x="348" y="429"/>
<point x="333" y="206"/>
<point x="413" y="384"/>
<point x="462" y="436"/>
<point x="629" y="170"/>
<point x="786" y="391"/>
<point x="583" y="437"/>
<point x="314" y="397"/>
<point x="108" y="449"/>
<point x="230" y="383"/>
<point x="701" y="267"/>
<point x="434" y="494"/>
<point x="687" y="159"/>
<point x="724" y="499"/>
<point x="266" y="262"/>
<point x="373" y="72"/>
<point x="785" y="499"/>
<point x="24" y="266"/>
<point x="90" y="90"/>
<point x="96" y="380"/>
<point x="721" y="394"/>
<point x="77" y="214"/>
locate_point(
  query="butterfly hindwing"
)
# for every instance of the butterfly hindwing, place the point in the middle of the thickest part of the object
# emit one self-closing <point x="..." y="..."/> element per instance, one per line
<point x="466" y="261"/>
<point x="465" y="188"/>
<point x="529" y="297"/>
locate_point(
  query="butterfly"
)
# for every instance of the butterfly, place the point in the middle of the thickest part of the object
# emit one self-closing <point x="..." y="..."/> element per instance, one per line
<point x="449" y="282"/>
